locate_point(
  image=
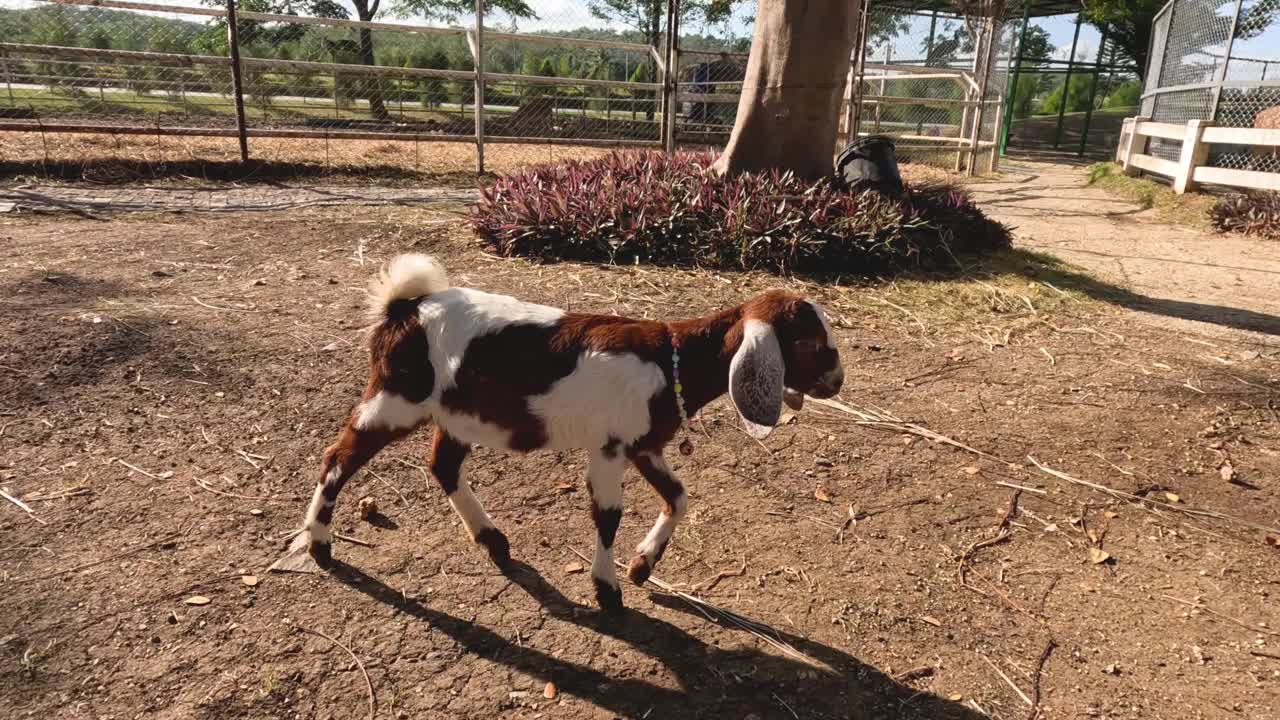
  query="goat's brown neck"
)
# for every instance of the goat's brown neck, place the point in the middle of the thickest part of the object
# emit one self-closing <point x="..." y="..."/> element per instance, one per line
<point x="707" y="346"/>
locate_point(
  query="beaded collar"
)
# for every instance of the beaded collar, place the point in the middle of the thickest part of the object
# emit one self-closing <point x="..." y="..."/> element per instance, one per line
<point x="686" y="446"/>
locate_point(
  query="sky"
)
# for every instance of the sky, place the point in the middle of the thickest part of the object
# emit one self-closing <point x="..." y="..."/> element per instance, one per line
<point x="571" y="14"/>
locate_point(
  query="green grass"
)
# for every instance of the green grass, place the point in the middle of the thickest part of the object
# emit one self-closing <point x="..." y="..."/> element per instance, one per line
<point x="1191" y="209"/>
<point x="116" y="102"/>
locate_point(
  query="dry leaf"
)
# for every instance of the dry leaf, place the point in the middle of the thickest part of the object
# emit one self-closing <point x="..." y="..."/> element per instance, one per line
<point x="821" y="494"/>
<point x="573" y="567"/>
<point x="249" y="580"/>
<point x="197" y="600"/>
<point x="1051" y="527"/>
<point x="1098" y="556"/>
<point x="549" y="692"/>
<point x="1273" y="541"/>
<point x="368" y="508"/>
<point x="931" y="620"/>
<point x="563" y="486"/>
<point x="1227" y="471"/>
<point x="786" y="417"/>
<point x="972" y="470"/>
<point x="1110" y="515"/>
<point x="1173" y="497"/>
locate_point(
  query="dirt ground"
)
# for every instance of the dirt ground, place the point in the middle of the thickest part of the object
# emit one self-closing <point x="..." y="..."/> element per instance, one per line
<point x="1178" y="276"/>
<point x="170" y="382"/>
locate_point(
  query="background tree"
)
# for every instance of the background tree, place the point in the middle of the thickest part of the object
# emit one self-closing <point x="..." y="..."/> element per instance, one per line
<point x="794" y="85"/>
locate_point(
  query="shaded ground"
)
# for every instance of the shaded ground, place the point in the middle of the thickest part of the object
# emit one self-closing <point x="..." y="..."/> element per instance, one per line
<point x="1186" y="278"/>
<point x="170" y="382"/>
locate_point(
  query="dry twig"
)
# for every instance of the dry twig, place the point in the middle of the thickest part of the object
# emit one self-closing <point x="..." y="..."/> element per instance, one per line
<point x="22" y="506"/>
<point x="712" y="582"/>
<point x="373" y="701"/>
<point x="1179" y="508"/>
<point x="1035" y="679"/>
<point x="716" y="614"/>
<point x="1009" y="682"/>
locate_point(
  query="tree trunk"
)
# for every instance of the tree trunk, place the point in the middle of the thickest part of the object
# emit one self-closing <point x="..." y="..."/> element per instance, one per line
<point x="372" y="84"/>
<point x="796" y="74"/>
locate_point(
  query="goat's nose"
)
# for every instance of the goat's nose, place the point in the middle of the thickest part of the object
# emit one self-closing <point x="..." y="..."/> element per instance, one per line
<point x="830" y="382"/>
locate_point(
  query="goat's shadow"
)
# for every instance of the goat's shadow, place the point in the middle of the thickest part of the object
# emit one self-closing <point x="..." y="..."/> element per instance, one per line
<point x="714" y="682"/>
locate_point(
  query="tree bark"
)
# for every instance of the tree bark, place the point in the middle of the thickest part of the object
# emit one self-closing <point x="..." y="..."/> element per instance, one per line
<point x="373" y="85"/>
<point x="796" y="74"/>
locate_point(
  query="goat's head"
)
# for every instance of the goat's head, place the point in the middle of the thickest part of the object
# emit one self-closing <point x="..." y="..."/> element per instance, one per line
<point x="787" y="352"/>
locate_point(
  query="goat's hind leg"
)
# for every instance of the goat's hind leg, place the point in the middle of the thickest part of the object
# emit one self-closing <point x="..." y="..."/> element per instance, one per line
<point x="604" y="481"/>
<point x="310" y="549"/>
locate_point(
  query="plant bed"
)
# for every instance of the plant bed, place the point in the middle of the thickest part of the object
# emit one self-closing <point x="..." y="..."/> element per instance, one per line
<point x="1254" y="213"/>
<point x="647" y="206"/>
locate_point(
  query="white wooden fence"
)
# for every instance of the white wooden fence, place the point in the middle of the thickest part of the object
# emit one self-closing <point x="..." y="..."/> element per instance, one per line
<point x="1192" y="168"/>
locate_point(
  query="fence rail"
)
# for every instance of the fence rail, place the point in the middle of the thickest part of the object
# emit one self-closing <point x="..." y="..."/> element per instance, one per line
<point x="1193" y="167"/>
<point x="225" y="72"/>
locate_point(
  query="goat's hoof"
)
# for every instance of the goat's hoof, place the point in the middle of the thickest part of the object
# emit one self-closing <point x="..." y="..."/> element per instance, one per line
<point x="496" y="544"/>
<point x="304" y="556"/>
<point x="608" y="597"/>
<point x="639" y="569"/>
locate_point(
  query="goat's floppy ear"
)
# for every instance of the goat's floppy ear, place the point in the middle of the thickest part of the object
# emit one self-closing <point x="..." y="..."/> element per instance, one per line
<point x="755" y="379"/>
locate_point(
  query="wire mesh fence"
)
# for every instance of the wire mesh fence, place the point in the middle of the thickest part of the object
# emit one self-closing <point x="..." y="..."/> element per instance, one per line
<point x="1211" y="60"/>
<point x="598" y="73"/>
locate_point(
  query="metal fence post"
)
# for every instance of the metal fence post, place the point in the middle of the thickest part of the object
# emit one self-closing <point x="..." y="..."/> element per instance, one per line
<point x="1011" y="96"/>
<point x="237" y="87"/>
<point x="1093" y="95"/>
<point x="1222" y="74"/>
<point x="478" y="51"/>
<point x="1066" y="84"/>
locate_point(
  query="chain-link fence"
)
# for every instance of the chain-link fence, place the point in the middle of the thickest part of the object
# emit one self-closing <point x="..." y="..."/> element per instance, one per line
<point x="1210" y="60"/>
<point x="593" y="73"/>
<point x="933" y="81"/>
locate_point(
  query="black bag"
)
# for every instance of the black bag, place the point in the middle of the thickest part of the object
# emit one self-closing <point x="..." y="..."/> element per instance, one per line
<point x="870" y="163"/>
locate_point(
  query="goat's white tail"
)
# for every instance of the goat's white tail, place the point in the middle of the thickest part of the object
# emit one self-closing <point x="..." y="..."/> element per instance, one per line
<point x="407" y="276"/>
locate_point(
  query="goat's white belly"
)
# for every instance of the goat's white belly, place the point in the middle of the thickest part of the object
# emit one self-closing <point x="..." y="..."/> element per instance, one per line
<point x="606" y="397"/>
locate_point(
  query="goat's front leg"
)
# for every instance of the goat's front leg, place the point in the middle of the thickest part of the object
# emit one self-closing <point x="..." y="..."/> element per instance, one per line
<point x="604" y="481"/>
<point x="447" y="456"/>
<point x="310" y="549"/>
<point x="655" y="471"/>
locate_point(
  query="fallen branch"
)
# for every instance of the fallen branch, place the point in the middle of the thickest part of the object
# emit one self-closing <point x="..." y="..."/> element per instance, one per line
<point x="698" y="587"/>
<point x="108" y="558"/>
<point x="205" y="486"/>
<point x="1035" y="679"/>
<point x="1120" y="494"/>
<point x="22" y="506"/>
<point x="715" y="614"/>
<point x="1201" y="606"/>
<point x="225" y="309"/>
<point x="373" y="701"/>
<point x="1004" y="677"/>
<point x="883" y="420"/>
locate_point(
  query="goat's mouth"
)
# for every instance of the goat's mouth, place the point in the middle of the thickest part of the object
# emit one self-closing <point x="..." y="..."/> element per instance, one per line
<point x="828" y="385"/>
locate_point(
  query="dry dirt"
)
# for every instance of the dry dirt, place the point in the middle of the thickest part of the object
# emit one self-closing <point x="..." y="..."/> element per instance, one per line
<point x="1180" y="277"/>
<point x="170" y="382"/>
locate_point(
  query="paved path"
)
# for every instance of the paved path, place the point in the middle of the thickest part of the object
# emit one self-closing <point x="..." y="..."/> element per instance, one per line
<point x="1172" y="274"/>
<point x="249" y="198"/>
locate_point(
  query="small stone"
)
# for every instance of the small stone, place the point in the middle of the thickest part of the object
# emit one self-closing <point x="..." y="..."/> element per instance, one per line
<point x="250" y="580"/>
<point x="256" y="512"/>
<point x="368" y="508"/>
<point x="550" y="692"/>
<point x="1112" y="669"/>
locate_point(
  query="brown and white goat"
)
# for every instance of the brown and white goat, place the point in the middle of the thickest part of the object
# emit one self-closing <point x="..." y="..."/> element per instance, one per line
<point x="494" y="371"/>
